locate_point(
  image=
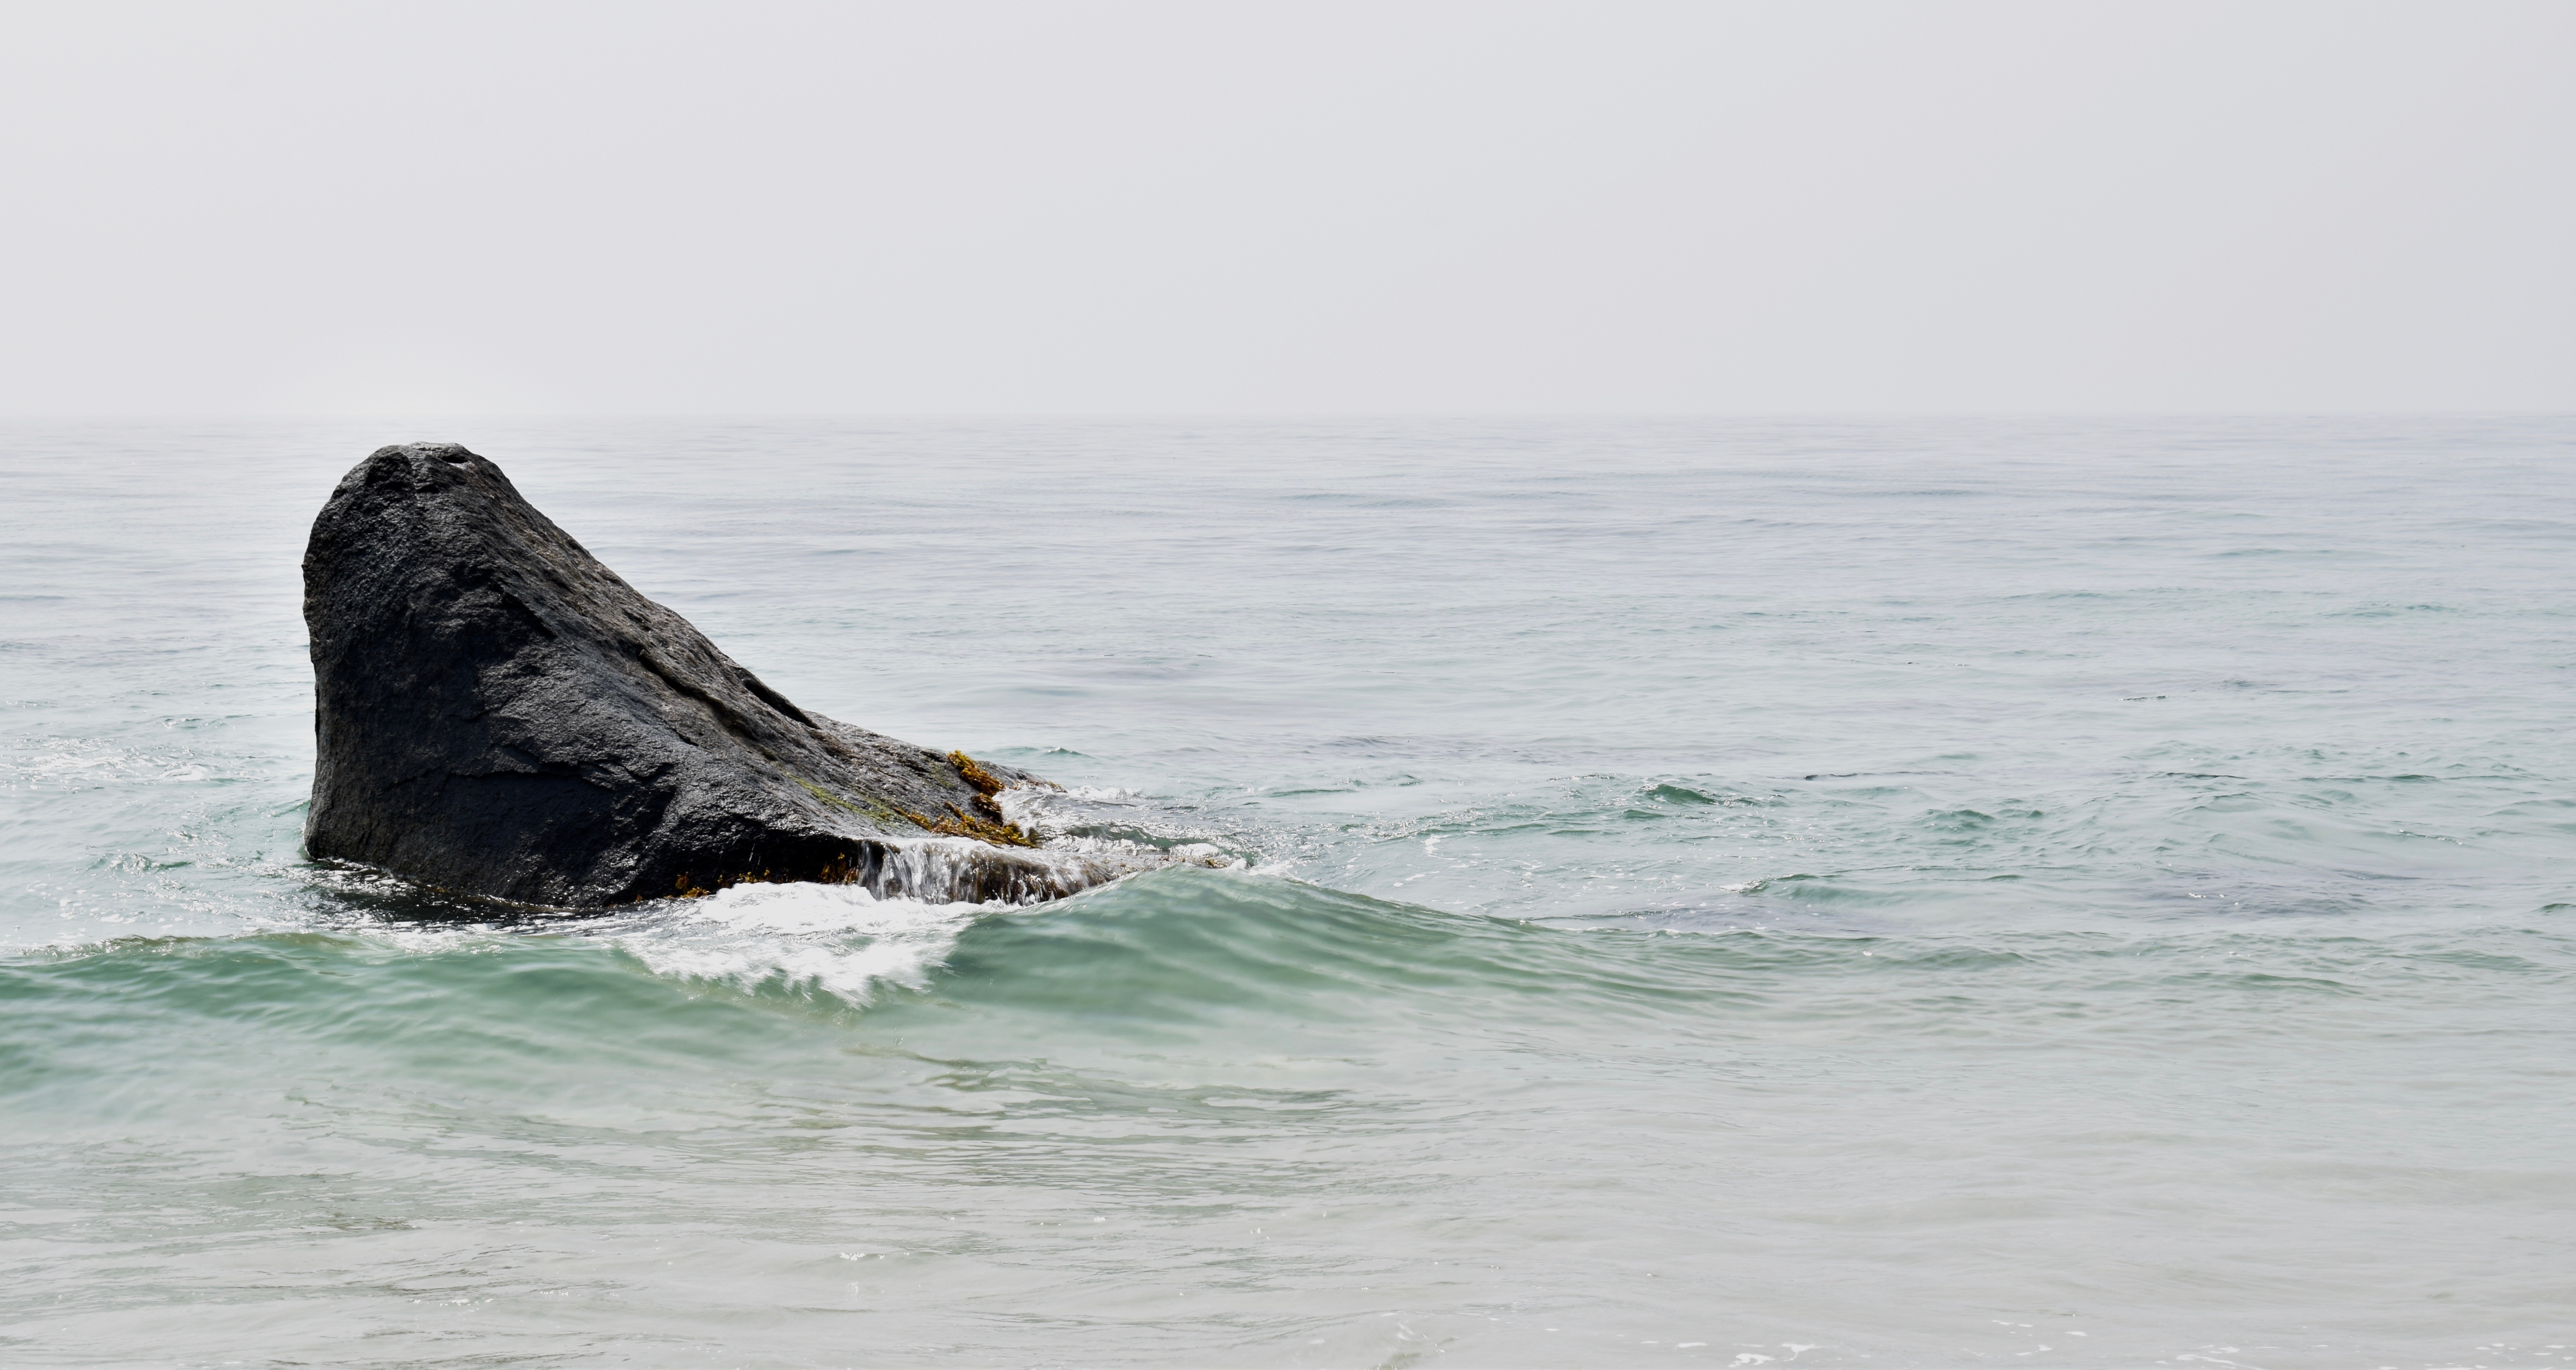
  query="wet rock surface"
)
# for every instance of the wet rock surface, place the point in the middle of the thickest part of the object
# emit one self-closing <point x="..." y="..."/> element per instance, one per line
<point x="497" y="713"/>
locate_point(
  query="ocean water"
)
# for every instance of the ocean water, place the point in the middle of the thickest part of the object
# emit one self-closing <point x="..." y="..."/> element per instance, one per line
<point x="1925" y="893"/>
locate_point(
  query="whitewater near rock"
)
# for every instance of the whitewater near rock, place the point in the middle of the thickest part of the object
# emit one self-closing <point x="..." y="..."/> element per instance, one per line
<point x="497" y="713"/>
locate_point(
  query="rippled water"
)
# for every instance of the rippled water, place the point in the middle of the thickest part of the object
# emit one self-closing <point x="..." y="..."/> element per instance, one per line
<point x="1736" y="894"/>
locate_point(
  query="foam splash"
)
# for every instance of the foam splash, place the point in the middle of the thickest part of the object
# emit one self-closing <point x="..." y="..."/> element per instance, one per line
<point x="852" y="941"/>
<point x="962" y="870"/>
<point x="835" y="940"/>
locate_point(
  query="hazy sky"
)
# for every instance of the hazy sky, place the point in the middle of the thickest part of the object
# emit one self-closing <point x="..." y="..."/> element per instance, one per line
<point x="643" y="208"/>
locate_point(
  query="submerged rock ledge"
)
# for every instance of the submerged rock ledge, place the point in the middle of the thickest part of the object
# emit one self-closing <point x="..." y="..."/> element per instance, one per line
<point x="497" y="713"/>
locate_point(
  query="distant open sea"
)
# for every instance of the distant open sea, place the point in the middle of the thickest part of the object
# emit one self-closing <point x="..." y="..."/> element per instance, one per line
<point x="1746" y="893"/>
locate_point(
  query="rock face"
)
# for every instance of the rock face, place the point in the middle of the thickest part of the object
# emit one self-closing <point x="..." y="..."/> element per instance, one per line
<point x="497" y="713"/>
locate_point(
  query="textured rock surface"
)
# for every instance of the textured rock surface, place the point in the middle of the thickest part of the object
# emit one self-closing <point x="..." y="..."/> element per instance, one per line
<point x="498" y="713"/>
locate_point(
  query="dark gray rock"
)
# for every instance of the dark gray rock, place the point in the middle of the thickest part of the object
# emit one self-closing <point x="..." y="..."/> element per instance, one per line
<point x="498" y="713"/>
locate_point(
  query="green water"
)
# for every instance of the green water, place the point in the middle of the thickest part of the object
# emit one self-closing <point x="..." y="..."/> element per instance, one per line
<point x="1750" y="894"/>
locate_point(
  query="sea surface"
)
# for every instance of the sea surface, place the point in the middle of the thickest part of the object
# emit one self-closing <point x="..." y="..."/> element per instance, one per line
<point x="1752" y="893"/>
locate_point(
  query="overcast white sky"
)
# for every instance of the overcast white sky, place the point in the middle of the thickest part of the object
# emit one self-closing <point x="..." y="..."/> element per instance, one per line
<point x="657" y="208"/>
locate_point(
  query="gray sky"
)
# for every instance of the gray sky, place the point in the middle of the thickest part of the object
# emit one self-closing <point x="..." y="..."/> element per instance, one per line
<point x="646" y="208"/>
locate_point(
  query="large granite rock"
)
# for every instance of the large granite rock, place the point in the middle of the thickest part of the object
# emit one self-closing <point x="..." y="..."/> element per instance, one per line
<point x="497" y="713"/>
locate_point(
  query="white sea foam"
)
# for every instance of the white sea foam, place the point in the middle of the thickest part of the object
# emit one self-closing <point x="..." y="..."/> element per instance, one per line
<point x="837" y="940"/>
<point x="849" y="942"/>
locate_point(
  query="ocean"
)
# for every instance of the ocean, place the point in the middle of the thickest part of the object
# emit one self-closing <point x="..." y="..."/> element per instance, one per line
<point x="1722" y="893"/>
